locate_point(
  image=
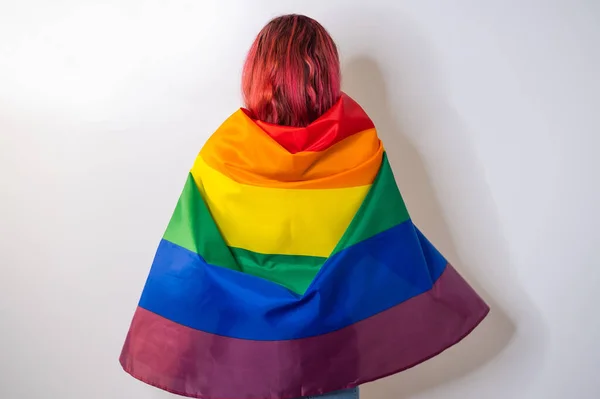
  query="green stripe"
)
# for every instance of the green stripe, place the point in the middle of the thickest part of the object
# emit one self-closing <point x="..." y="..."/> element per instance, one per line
<point x="294" y="272"/>
<point x="193" y="228"/>
<point x="382" y="209"/>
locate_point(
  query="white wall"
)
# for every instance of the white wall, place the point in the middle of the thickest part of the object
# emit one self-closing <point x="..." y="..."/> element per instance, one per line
<point x="489" y="110"/>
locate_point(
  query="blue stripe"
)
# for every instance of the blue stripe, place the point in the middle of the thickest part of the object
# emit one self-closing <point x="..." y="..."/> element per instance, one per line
<point x="358" y="282"/>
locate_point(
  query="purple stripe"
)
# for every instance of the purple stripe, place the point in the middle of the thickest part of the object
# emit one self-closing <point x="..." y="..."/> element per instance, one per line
<point x="197" y="364"/>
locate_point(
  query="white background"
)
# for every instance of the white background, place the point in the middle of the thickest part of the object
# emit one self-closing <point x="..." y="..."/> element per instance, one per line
<point x="489" y="110"/>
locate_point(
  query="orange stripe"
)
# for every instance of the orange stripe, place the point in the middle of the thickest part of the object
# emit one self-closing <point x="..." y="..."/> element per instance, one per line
<point x="352" y="162"/>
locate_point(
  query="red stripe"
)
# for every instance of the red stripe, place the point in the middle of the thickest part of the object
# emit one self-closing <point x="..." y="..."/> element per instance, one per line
<point x="343" y="120"/>
<point x="193" y="363"/>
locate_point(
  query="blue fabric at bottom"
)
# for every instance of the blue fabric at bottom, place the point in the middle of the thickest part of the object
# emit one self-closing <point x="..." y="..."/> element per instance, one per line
<point x="345" y="394"/>
<point x="362" y="280"/>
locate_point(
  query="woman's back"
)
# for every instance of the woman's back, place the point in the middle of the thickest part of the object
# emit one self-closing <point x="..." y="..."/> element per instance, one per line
<point x="291" y="266"/>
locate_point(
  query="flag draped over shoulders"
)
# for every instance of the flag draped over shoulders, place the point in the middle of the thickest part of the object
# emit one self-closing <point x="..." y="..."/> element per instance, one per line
<point x="291" y="267"/>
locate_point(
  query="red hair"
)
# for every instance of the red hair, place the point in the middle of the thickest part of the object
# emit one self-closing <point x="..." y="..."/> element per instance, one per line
<point x="292" y="72"/>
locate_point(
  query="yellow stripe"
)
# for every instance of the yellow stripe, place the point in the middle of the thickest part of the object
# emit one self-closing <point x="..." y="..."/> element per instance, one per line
<point x="276" y="220"/>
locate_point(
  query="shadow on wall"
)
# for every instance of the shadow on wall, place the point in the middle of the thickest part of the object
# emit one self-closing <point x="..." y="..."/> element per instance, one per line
<point x="421" y="114"/>
<point x="364" y="82"/>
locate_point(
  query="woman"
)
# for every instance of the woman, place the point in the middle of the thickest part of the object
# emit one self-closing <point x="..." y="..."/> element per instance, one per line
<point x="290" y="267"/>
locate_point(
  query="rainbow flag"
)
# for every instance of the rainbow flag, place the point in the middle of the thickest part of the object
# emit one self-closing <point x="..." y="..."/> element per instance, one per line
<point x="291" y="268"/>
